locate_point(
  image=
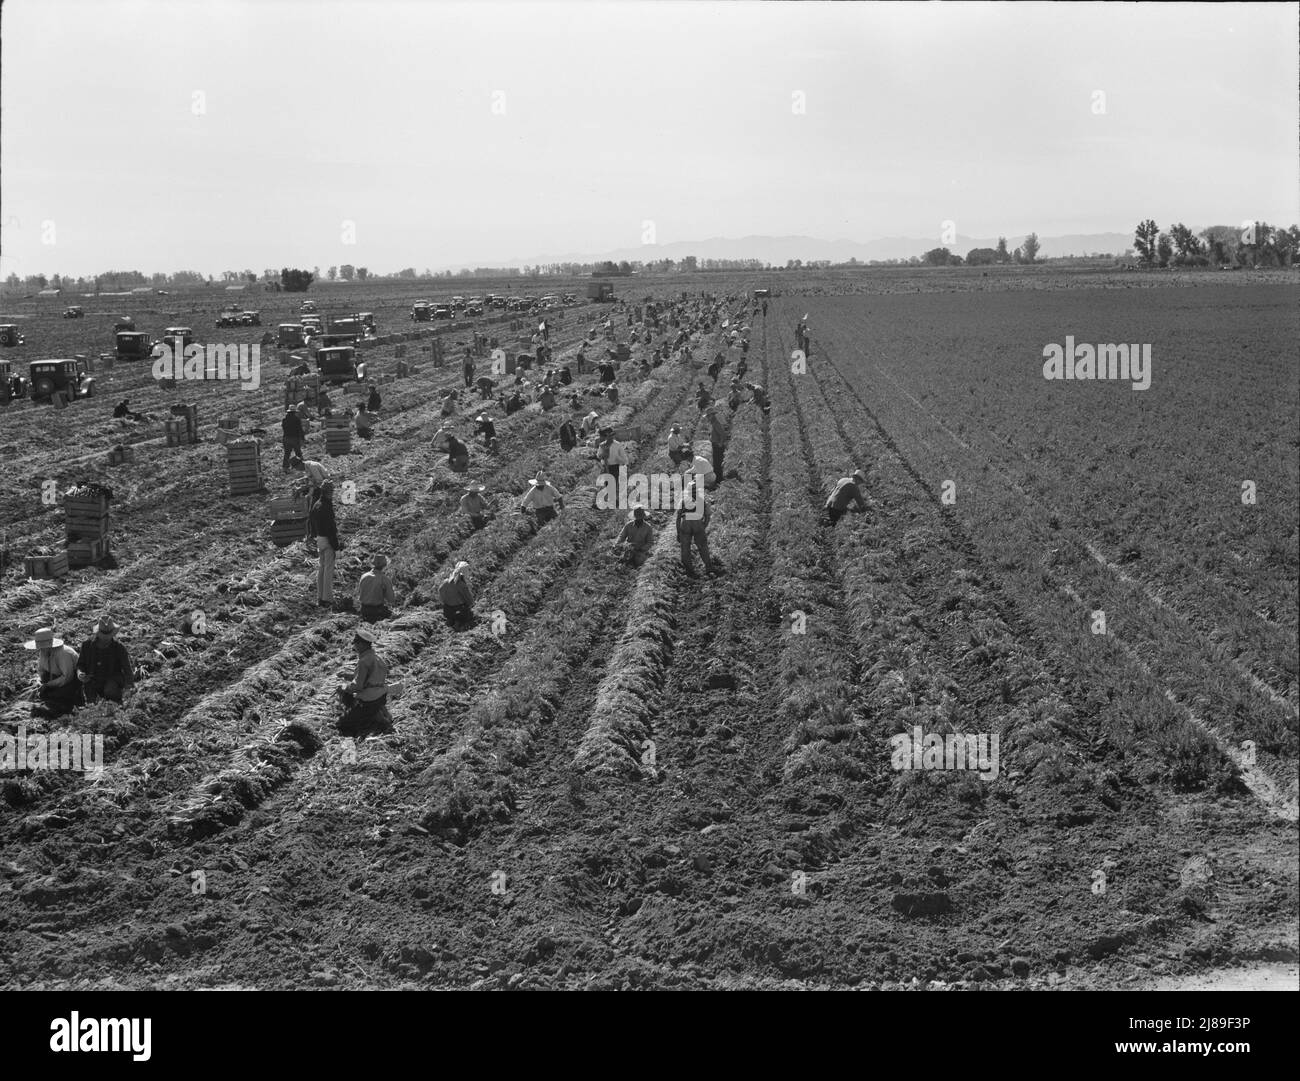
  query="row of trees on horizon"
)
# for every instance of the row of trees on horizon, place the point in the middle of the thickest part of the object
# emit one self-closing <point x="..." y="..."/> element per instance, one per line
<point x="1253" y="244"/>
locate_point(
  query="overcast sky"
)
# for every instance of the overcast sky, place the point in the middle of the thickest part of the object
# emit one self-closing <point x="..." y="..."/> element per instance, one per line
<point x="221" y="135"/>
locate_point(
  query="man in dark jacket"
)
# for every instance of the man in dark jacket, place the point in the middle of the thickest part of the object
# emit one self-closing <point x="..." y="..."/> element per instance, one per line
<point x="848" y="490"/>
<point x="373" y="401"/>
<point x="457" y="596"/>
<point x="103" y="664"/>
<point x="568" y="436"/>
<point x="322" y="525"/>
<point x="295" y="440"/>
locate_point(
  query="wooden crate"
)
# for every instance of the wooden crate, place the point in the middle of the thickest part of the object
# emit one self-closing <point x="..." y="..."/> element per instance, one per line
<point x="82" y="553"/>
<point x="94" y="502"/>
<point x="91" y="528"/>
<point x="177" y="432"/>
<point x="337" y="443"/>
<point x="225" y="435"/>
<point x="55" y="566"/>
<point x="289" y="506"/>
<point x="286" y="531"/>
<point x="121" y="454"/>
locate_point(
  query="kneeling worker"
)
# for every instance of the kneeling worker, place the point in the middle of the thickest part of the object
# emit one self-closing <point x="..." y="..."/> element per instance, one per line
<point x="639" y="537"/>
<point x="457" y="596"/>
<point x="103" y="665"/>
<point x="365" y="699"/>
<point x="473" y="504"/>
<point x="375" y="592"/>
<point x="847" y="490"/>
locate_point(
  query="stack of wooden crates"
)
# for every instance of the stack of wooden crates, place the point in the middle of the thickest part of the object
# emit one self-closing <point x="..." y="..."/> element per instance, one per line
<point x="302" y="388"/>
<point x="338" y="434"/>
<point x="244" y="460"/>
<point x="288" y="519"/>
<point x="85" y="513"/>
<point x="188" y="430"/>
<point x="227" y="429"/>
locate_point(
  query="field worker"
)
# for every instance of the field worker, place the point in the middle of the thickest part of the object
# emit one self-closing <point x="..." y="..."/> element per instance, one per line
<point x="457" y="597"/>
<point x="483" y="426"/>
<point x="699" y="465"/>
<point x="714" y="369"/>
<point x="610" y="453"/>
<point x="718" y="435"/>
<point x="847" y="490"/>
<point x="58" y="690"/>
<point x="485" y="386"/>
<point x="295" y="439"/>
<point x="365" y="699"/>
<point x="581" y="361"/>
<point x="515" y="402"/>
<point x="589" y="424"/>
<point x="639" y="537"/>
<point x="734" y="398"/>
<point x="565" y="377"/>
<point x="568" y="435"/>
<point x="448" y="402"/>
<point x="375" y="592"/>
<point x="546" y="398"/>
<point x="760" y="397"/>
<point x="468" y="369"/>
<point x="543" y="498"/>
<point x="611" y="392"/>
<point x="765" y="308"/>
<point x="104" y="666"/>
<point x="323" y="526"/>
<point x="373" y="400"/>
<point x="675" y="444"/>
<point x="741" y="369"/>
<point x="607" y="372"/>
<point x="695" y="531"/>
<point x="702" y="397"/>
<point x="365" y="422"/>
<point x="316" y="475"/>
<point x="474" y="505"/>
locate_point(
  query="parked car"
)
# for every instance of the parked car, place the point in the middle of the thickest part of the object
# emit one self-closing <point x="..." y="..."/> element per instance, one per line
<point x="74" y="311"/>
<point x="421" y="311"/>
<point x="290" y="336"/>
<point x="9" y="335"/>
<point x="174" y="337"/>
<point x="307" y="306"/>
<point x="337" y="364"/>
<point x="250" y="319"/>
<point x="12" y="385"/>
<point x="68" y="375"/>
<point x="442" y="311"/>
<point x="229" y="319"/>
<point x="132" y="345"/>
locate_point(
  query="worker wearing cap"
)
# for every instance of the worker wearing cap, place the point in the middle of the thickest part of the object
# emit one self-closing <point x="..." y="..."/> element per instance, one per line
<point x="847" y="490"/>
<point x="103" y="665"/>
<point x="718" y="436"/>
<point x="474" y="505"/>
<point x="324" y="528"/>
<point x="375" y="592"/>
<point x="638" y="535"/>
<point x="58" y="690"/>
<point x="542" y="497"/>
<point x="365" y="699"/>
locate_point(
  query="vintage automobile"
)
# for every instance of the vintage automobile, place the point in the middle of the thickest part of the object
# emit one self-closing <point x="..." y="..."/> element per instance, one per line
<point x="69" y="375"/>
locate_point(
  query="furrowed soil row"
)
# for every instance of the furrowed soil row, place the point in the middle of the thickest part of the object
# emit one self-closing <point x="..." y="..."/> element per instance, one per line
<point x="511" y="476"/>
<point x="1256" y="638"/>
<point x="1156" y="636"/>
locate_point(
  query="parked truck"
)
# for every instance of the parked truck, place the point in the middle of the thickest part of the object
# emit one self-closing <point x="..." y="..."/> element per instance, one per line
<point x="600" y="291"/>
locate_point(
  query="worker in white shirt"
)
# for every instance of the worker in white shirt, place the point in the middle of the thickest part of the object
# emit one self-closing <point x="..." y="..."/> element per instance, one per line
<point x="58" y="690"/>
<point x="611" y="453"/>
<point x="543" y="498"/>
<point x="365" y="699"/>
<point x="697" y="464"/>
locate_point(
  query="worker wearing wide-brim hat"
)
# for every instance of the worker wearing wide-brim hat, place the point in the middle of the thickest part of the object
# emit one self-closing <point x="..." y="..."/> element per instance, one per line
<point x="365" y="698"/>
<point x="104" y="665"/>
<point x="847" y="490"/>
<point x="58" y="691"/>
<point x="475" y="505"/>
<point x="638" y="535"/>
<point x="375" y="594"/>
<point x="543" y="498"/>
<point x="676" y="443"/>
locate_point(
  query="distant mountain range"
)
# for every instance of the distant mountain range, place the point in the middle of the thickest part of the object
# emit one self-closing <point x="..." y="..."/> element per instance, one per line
<point x="778" y="250"/>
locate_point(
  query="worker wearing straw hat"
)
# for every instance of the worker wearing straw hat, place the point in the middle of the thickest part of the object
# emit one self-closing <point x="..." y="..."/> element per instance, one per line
<point x="474" y="505"/>
<point x="639" y="537"/>
<point x="365" y="699"/>
<point x="104" y="665"/>
<point x="457" y="596"/>
<point x="543" y="498"/>
<point x="375" y="593"/>
<point x="847" y="490"/>
<point x="58" y="692"/>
